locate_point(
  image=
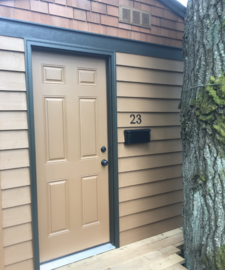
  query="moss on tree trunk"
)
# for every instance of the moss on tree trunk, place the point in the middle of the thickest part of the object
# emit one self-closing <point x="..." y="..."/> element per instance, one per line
<point x="203" y="135"/>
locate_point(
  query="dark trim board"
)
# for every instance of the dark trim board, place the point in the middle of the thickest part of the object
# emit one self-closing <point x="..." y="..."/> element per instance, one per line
<point x="110" y="57"/>
<point x="41" y="32"/>
<point x="30" y="113"/>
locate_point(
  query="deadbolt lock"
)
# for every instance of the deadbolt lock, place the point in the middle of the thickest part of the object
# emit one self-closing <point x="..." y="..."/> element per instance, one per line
<point x="103" y="149"/>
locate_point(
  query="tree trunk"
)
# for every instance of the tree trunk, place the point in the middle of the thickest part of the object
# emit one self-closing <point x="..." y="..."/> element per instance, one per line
<point x="203" y="135"/>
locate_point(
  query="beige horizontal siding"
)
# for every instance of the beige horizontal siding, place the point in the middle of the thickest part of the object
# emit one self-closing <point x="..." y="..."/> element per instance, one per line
<point x="15" y="178"/>
<point x="19" y="252"/>
<point x="28" y="265"/>
<point x="152" y="202"/>
<point x="13" y="101"/>
<point x="13" y="120"/>
<point x="12" y="61"/>
<point x="145" y="105"/>
<point x="17" y="234"/>
<point x="16" y="215"/>
<point x="133" y="178"/>
<point x="148" y="162"/>
<point x="150" y="182"/>
<point x="143" y="90"/>
<point x="2" y="258"/>
<point x="155" y="147"/>
<point x="11" y="44"/>
<point x="11" y="159"/>
<point x="152" y="216"/>
<point x="132" y="60"/>
<point x="150" y="189"/>
<point x="12" y="81"/>
<point x="14" y="158"/>
<point x="15" y="197"/>
<point x="149" y="230"/>
<point x="130" y="74"/>
<point x="13" y="139"/>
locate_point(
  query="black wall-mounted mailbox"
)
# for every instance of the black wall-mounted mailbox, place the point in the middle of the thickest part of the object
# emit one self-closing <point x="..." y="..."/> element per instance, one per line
<point x="137" y="136"/>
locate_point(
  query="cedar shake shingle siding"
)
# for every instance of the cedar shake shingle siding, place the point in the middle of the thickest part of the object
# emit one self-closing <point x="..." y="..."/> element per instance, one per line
<point x="99" y="16"/>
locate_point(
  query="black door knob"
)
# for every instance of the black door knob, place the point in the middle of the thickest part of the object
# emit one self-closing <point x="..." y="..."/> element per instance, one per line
<point x="104" y="162"/>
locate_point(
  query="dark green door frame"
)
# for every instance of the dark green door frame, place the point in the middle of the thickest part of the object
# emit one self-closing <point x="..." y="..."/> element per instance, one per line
<point x="110" y="57"/>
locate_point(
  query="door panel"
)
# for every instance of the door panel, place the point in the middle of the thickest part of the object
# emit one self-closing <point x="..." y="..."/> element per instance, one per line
<point x="55" y="137"/>
<point x="53" y="74"/>
<point x="58" y="206"/>
<point x="87" y="77"/>
<point x="90" y="199"/>
<point x="88" y="123"/>
<point x="70" y="116"/>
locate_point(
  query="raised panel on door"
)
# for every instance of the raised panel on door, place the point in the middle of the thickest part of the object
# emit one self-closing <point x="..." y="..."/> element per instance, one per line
<point x="53" y="74"/>
<point x="90" y="200"/>
<point x="87" y="76"/>
<point x="55" y="130"/>
<point x="88" y="128"/>
<point x="58" y="206"/>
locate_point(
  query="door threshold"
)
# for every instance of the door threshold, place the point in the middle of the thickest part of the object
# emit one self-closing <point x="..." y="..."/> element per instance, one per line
<point x="78" y="256"/>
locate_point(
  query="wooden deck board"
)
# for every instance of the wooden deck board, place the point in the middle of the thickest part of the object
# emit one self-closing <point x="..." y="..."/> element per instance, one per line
<point x="144" y="260"/>
<point x="129" y="255"/>
<point x="163" y="263"/>
<point x="176" y="267"/>
<point x="154" y="253"/>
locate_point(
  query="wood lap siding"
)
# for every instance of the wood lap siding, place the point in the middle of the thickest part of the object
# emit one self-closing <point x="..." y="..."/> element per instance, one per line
<point x="99" y="16"/>
<point x="15" y="194"/>
<point x="1" y="235"/>
<point x="150" y="183"/>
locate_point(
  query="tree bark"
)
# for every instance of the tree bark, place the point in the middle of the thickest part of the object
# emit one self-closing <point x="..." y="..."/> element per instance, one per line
<point x="203" y="141"/>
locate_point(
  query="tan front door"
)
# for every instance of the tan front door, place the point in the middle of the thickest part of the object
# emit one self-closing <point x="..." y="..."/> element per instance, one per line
<point x="70" y="116"/>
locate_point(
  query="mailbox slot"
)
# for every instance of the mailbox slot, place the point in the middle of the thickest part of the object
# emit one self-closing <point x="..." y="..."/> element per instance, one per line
<point x="137" y="136"/>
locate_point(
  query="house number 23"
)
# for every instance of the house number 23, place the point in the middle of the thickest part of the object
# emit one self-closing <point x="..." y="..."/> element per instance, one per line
<point x="138" y="117"/>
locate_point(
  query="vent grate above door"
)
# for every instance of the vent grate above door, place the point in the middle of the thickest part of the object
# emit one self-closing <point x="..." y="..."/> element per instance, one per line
<point x="126" y="15"/>
<point x="134" y="16"/>
<point x="145" y="19"/>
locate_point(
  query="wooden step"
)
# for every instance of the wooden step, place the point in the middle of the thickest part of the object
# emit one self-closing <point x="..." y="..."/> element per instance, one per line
<point x="180" y="245"/>
<point x="163" y="263"/>
<point x="129" y="255"/>
<point x="149" y="258"/>
<point x="131" y="252"/>
<point x="176" y="267"/>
